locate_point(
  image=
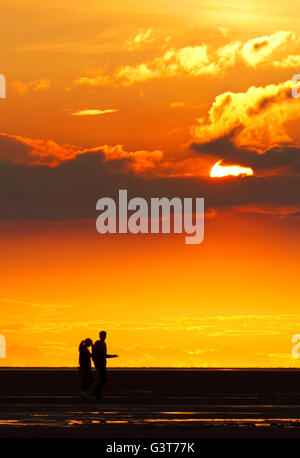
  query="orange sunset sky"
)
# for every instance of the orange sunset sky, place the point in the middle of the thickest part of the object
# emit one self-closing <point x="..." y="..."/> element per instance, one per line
<point x="148" y="96"/>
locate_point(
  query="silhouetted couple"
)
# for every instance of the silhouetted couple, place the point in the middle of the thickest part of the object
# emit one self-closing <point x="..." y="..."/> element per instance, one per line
<point x="99" y="356"/>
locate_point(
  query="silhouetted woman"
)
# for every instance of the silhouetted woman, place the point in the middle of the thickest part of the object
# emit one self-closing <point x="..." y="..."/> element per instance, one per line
<point x="85" y="366"/>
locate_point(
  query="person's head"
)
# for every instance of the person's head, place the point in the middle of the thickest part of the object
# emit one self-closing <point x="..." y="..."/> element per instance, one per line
<point x="88" y="342"/>
<point x="102" y="335"/>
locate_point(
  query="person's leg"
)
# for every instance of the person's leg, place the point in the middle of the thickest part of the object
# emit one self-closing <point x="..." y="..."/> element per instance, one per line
<point x="84" y="380"/>
<point x="104" y="378"/>
<point x="102" y="374"/>
<point x="89" y="379"/>
<point x="98" y="387"/>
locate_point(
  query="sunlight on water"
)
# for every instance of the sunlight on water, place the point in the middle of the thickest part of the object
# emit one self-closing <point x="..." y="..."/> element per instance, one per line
<point x="179" y="413"/>
<point x="89" y="419"/>
<point x="116" y="421"/>
<point x="255" y="421"/>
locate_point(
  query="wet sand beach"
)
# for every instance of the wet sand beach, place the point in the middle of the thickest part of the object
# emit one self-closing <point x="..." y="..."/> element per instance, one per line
<point x="152" y="403"/>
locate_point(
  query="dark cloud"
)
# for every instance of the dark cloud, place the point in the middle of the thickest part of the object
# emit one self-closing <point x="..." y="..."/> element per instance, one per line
<point x="70" y="190"/>
<point x="286" y="157"/>
<point x="11" y="149"/>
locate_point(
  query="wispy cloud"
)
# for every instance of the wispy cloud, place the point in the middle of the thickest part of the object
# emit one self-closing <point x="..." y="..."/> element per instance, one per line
<point x="196" y="60"/>
<point x="93" y="79"/>
<point x="36" y="85"/>
<point x="244" y="332"/>
<point x="288" y="62"/>
<point x="93" y="112"/>
<point x="142" y="38"/>
<point x="34" y="304"/>
<point x="258" y="50"/>
<point x="176" y="104"/>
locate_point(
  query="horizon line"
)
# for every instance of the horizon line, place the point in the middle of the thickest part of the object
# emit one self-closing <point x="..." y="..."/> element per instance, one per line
<point x="154" y="368"/>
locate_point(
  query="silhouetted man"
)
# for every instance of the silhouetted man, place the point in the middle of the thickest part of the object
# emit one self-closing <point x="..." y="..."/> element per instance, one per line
<point x="99" y="356"/>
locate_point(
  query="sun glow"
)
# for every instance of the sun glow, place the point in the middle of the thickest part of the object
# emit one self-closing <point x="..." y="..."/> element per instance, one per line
<point x="219" y="170"/>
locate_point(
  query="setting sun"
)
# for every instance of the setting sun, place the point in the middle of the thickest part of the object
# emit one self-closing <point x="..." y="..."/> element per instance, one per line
<point x="219" y="170"/>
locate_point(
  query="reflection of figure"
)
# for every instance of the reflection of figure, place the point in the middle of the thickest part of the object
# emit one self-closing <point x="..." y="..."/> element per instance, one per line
<point x="99" y="357"/>
<point x="85" y="366"/>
